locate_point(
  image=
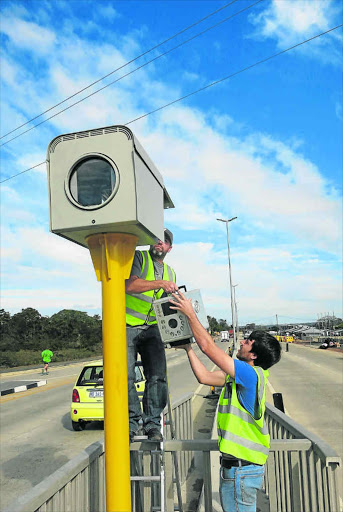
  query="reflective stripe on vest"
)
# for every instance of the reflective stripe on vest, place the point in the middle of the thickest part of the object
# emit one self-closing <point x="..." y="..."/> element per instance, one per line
<point x="239" y="434"/>
<point x="139" y="310"/>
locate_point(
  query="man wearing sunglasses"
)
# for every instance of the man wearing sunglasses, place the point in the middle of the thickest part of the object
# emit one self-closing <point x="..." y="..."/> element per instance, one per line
<point x="243" y="436"/>
<point x="150" y="277"/>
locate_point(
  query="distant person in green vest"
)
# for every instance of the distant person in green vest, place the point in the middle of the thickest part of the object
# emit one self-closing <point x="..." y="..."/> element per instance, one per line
<point x="150" y="277"/>
<point x="243" y="436"/>
<point x="46" y="356"/>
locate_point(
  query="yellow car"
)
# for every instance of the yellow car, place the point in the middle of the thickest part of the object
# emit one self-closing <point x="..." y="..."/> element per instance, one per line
<point x="88" y="394"/>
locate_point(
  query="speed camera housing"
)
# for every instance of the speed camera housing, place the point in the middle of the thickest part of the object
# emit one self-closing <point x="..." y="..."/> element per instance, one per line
<point x="103" y="181"/>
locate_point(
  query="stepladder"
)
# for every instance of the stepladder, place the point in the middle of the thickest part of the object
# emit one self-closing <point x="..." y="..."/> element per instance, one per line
<point x="155" y="476"/>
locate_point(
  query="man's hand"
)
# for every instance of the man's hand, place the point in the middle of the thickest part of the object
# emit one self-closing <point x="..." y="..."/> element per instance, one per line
<point x="186" y="347"/>
<point x="169" y="286"/>
<point x="180" y="303"/>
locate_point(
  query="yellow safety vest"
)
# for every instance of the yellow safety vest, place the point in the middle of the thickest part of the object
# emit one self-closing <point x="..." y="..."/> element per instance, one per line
<point x="139" y="310"/>
<point x="239" y="434"/>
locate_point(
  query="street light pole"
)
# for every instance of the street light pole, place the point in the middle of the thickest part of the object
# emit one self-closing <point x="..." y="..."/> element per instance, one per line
<point x="236" y="313"/>
<point x="231" y="291"/>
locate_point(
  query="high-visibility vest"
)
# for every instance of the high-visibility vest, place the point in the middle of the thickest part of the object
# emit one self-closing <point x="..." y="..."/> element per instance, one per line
<point x="239" y="434"/>
<point x="139" y="310"/>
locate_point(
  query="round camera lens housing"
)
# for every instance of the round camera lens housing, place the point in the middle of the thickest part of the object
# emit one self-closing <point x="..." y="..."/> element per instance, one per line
<point x="92" y="182"/>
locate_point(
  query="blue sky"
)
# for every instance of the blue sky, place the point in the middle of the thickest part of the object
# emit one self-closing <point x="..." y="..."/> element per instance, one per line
<point x="265" y="145"/>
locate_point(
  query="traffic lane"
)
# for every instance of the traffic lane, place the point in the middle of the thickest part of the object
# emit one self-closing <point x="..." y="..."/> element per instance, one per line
<point x="40" y="442"/>
<point x="55" y="371"/>
<point x="37" y="437"/>
<point x="324" y="359"/>
<point x="310" y="381"/>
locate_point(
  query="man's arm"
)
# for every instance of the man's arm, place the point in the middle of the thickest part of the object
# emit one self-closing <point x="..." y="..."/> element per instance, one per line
<point x="203" y="339"/>
<point x="204" y="376"/>
<point x="137" y="285"/>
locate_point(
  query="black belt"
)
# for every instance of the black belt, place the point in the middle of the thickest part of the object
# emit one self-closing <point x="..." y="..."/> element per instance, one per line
<point x="230" y="463"/>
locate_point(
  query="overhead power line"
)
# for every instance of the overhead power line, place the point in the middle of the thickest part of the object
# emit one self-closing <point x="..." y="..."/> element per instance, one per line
<point x="210" y="85"/>
<point x="120" y="67"/>
<point x="233" y="74"/>
<point x="133" y="71"/>
<point x="22" y="172"/>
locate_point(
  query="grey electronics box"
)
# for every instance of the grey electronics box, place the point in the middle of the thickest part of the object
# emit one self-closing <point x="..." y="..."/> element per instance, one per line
<point x="172" y="324"/>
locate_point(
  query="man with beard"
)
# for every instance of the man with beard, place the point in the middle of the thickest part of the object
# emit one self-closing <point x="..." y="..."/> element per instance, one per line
<point x="150" y="277"/>
<point x="243" y="436"/>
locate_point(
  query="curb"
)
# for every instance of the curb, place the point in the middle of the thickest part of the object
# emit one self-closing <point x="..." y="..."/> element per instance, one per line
<point x="18" y="389"/>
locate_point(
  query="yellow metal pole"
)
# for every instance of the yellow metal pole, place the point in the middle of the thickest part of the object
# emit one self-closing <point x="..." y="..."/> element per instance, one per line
<point x="112" y="256"/>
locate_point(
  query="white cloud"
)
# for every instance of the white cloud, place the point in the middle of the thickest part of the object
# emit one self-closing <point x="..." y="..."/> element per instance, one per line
<point x="107" y="12"/>
<point x="28" y="35"/>
<point x="269" y="280"/>
<point x="291" y="21"/>
<point x="274" y="189"/>
<point x="47" y="300"/>
<point x="261" y="179"/>
<point x="54" y="249"/>
<point x="191" y="77"/>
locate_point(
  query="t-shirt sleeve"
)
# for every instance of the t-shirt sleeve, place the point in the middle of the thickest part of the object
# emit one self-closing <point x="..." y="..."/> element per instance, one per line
<point x="137" y="264"/>
<point x="246" y="385"/>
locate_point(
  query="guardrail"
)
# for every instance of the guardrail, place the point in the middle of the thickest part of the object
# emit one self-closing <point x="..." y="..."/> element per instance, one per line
<point x="301" y="473"/>
<point x="79" y="485"/>
<point x="304" y="480"/>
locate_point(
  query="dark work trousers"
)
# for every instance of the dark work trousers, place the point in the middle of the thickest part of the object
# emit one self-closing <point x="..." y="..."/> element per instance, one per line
<point x="147" y="343"/>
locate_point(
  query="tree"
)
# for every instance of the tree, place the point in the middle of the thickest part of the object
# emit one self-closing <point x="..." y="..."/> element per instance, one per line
<point x="5" y="319"/>
<point x="216" y="326"/>
<point x="27" y="327"/>
<point x="7" y="341"/>
<point x="223" y="325"/>
<point x="213" y="324"/>
<point x="70" y="328"/>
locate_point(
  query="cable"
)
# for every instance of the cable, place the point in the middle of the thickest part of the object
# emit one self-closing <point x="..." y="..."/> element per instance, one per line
<point x="120" y="67"/>
<point x="22" y="172"/>
<point x="130" y="72"/>
<point x="211" y="84"/>
<point x="233" y="74"/>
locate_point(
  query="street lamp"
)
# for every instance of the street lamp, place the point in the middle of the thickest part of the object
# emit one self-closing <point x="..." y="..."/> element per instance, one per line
<point x="236" y="313"/>
<point x="231" y="291"/>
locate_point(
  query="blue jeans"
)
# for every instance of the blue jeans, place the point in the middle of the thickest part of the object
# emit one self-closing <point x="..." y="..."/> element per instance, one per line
<point x="238" y="487"/>
<point x="147" y="343"/>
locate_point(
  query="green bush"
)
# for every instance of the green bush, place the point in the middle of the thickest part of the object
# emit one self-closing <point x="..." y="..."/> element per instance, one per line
<point x="9" y="359"/>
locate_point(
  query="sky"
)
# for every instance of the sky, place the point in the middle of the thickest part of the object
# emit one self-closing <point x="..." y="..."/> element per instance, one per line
<point x="264" y="146"/>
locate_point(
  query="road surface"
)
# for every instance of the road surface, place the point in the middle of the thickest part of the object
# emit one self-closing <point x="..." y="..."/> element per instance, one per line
<point x="36" y="433"/>
<point x="37" y="437"/>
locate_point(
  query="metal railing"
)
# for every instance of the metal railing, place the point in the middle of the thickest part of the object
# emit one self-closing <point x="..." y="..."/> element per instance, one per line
<point x="79" y="485"/>
<point x="146" y="464"/>
<point x="304" y="480"/>
<point x="301" y="473"/>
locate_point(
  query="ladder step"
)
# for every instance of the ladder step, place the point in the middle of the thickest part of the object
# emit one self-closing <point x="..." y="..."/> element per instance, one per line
<point x="146" y="478"/>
